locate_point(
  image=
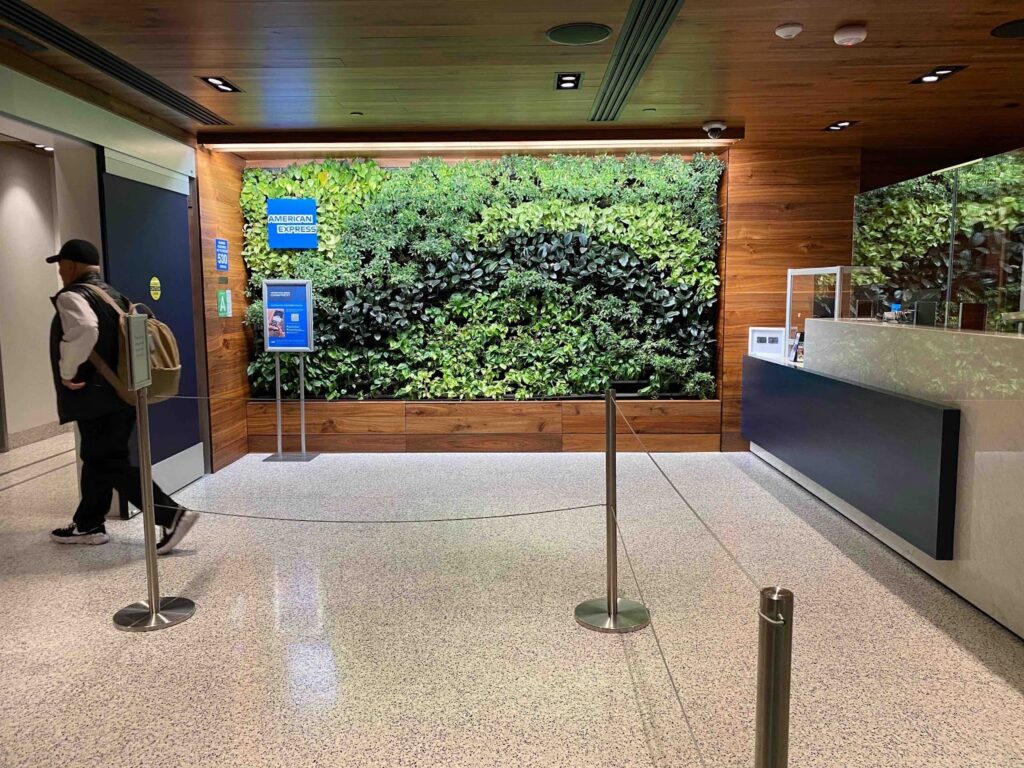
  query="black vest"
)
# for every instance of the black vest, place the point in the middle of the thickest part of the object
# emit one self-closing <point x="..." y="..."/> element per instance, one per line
<point x="97" y="398"/>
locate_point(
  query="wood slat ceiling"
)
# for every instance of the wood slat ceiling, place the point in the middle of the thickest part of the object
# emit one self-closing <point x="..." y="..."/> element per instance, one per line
<point x="469" y="65"/>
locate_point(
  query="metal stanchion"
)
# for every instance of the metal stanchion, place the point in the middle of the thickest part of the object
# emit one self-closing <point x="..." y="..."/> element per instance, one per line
<point x="156" y="612"/>
<point x="611" y="613"/>
<point x="774" y="668"/>
<point x="281" y="455"/>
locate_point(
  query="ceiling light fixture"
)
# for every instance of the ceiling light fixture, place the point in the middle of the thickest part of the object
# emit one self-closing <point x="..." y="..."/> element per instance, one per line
<point x="40" y="146"/>
<point x="220" y="83"/>
<point x="937" y="74"/>
<point x="850" y="35"/>
<point x="568" y="80"/>
<point x="841" y="125"/>
<point x="789" y="31"/>
<point x="425" y="147"/>
<point x="579" y="33"/>
<point x="48" y="149"/>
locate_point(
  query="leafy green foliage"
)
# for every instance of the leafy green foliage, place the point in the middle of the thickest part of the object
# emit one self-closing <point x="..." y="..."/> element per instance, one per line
<point x="525" y="277"/>
<point x="904" y="234"/>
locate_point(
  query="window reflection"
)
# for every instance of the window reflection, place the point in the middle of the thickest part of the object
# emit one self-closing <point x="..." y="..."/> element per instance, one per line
<point x="948" y="246"/>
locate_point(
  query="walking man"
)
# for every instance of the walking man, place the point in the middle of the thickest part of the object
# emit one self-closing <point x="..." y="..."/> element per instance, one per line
<point x="85" y="322"/>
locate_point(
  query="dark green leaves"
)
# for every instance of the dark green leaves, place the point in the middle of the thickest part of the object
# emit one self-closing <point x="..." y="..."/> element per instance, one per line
<point x="526" y="277"/>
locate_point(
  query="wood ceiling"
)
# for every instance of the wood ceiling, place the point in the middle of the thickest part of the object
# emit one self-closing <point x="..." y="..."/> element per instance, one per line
<point x="419" y="65"/>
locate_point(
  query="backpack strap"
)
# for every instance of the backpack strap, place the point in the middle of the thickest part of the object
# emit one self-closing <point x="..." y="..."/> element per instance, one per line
<point x="95" y="290"/>
<point x="98" y="362"/>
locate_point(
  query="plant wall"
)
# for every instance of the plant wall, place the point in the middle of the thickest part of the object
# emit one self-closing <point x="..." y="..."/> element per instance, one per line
<point x="904" y="234"/>
<point x="519" y="278"/>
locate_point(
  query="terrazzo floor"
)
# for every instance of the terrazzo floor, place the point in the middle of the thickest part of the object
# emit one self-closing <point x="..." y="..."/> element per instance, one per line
<point x="389" y="642"/>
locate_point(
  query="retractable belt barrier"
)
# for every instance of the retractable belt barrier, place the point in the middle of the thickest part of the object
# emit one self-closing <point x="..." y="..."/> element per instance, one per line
<point x="609" y="613"/>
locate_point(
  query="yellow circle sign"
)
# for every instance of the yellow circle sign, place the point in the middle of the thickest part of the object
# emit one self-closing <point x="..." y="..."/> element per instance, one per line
<point x="154" y="288"/>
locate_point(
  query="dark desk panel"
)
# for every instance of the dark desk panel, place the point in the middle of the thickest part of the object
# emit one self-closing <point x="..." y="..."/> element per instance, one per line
<point x="894" y="458"/>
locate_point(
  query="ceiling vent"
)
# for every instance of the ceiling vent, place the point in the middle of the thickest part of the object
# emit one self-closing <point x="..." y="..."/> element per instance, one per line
<point x="58" y="36"/>
<point x="642" y="33"/>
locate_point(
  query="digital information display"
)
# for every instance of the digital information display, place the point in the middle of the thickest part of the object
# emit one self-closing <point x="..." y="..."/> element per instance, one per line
<point x="291" y="223"/>
<point x="288" y="316"/>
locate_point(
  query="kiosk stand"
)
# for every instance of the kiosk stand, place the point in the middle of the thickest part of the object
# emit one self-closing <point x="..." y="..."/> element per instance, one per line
<point x="288" y="327"/>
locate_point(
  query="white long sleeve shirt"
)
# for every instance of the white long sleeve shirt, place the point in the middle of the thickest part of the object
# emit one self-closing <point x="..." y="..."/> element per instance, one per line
<point x="81" y="332"/>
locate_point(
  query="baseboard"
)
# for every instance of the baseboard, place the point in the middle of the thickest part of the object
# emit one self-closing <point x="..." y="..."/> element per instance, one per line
<point x="37" y="434"/>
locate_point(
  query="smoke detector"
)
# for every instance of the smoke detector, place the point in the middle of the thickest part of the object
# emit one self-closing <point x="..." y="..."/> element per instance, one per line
<point x="851" y="35"/>
<point x="789" y="31"/>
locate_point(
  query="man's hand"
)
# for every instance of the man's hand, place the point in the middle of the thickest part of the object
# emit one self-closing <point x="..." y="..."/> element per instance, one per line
<point x="72" y="384"/>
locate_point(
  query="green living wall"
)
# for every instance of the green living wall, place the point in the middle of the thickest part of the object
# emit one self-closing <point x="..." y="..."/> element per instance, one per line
<point x="958" y="233"/>
<point x="518" y="278"/>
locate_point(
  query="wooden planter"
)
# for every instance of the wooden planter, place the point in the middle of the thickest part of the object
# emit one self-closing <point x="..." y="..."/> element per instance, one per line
<point x="385" y="426"/>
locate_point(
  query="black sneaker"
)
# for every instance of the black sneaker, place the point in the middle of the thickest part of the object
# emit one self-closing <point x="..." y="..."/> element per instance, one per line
<point x="184" y="519"/>
<point x="71" y="535"/>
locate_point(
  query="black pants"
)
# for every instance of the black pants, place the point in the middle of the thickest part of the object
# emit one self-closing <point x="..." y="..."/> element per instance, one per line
<point x="106" y="466"/>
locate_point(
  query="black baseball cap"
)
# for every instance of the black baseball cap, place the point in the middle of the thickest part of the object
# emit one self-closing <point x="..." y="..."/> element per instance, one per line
<point x="80" y="251"/>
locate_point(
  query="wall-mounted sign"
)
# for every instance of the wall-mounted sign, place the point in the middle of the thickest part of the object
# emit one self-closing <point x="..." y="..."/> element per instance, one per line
<point x="288" y="315"/>
<point x="292" y="223"/>
<point x="224" y="303"/>
<point x="222" y="254"/>
<point x="155" y="290"/>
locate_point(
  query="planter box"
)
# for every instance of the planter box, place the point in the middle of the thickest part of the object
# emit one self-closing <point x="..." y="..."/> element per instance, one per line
<point x="390" y="426"/>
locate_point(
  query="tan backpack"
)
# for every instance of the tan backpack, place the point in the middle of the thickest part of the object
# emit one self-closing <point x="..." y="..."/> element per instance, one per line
<point x="164" y="360"/>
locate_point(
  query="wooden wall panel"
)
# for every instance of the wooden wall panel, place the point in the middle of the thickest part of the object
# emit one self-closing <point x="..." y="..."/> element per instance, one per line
<point x="785" y="208"/>
<point x="660" y="443"/>
<point x="336" y="443"/>
<point x="549" y="426"/>
<point x="664" y="416"/>
<point x="323" y="418"/>
<point x="483" y="418"/>
<point x="219" y="177"/>
<point x="524" y="442"/>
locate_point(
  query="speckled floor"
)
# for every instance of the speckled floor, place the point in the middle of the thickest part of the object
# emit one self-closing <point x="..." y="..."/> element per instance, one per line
<point x="453" y="643"/>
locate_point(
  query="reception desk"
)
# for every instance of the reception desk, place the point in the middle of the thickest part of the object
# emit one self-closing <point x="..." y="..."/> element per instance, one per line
<point x="977" y="514"/>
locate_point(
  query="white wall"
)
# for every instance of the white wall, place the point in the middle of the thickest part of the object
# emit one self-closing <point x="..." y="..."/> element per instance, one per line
<point x="27" y="237"/>
<point x="77" y="197"/>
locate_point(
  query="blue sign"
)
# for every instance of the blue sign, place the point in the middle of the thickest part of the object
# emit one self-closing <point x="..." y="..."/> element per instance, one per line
<point x="292" y="224"/>
<point x="288" y="315"/>
<point x="222" y="254"/>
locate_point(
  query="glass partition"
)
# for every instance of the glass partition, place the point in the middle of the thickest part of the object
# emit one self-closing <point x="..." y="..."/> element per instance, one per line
<point x="945" y="249"/>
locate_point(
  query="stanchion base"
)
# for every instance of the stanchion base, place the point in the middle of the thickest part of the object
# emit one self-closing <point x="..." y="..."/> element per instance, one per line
<point x="593" y="614"/>
<point x="291" y="457"/>
<point x="136" y="618"/>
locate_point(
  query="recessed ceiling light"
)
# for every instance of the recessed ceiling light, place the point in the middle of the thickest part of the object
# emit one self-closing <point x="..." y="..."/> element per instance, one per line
<point x="48" y="149"/>
<point x="40" y="146"/>
<point x="1010" y="30"/>
<point x="579" y="33"/>
<point x="937" y="74"/>
<point x="221" y="83"/>
<point x="356" y="114"/>
<point x="841" y="125"/>
<point x="568" y="80"/>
